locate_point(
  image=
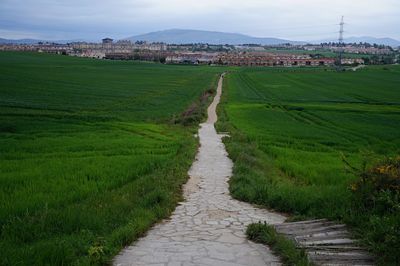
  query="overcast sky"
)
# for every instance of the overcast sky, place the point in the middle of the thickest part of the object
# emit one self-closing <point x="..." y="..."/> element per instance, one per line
<point x="291" y="19"/>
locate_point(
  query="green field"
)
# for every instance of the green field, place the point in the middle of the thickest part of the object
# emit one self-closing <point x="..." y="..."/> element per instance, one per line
<point x="291" y="130"/>
<point x="90" y="155"/>
<point x="94" y="152"/>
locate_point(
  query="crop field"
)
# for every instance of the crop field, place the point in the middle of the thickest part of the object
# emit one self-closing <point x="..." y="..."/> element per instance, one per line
<point x="90" y="153"/>
<point x="295" y="134"/>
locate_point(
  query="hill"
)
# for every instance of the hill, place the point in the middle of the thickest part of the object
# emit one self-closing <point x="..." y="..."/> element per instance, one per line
<point x="35" y="41"/>
<point x="368" y="39"/>
<point x="183" y="36"/>
<point x="179" y="36"/>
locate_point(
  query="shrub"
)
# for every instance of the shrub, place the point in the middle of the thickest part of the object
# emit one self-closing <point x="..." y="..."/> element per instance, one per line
<point x="196" y="112"/>
<point x="377" y="201"/>
<point x="378" y="187"/>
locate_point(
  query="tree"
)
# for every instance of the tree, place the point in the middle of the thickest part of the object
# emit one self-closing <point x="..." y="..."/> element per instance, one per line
<point x="388" y="59"/>
<point x="367" y="61"/>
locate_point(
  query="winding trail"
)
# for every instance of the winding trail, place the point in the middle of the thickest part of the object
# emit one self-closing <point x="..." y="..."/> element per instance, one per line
<point x="208" y="228"/>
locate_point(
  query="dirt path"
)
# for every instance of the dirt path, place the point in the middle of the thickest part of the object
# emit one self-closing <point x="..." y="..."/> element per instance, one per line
<point x="208" y="228"/>
<point x="357" y="67"/>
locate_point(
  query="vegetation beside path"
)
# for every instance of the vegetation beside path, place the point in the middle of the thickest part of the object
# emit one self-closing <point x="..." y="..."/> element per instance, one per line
<point x="302" y="139"/>
<point x="286" y="249"/>
<point x="92" y="152"/>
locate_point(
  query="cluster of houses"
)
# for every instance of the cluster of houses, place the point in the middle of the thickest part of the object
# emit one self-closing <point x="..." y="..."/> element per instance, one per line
<point x="253" y="59"/>
<point x="366" y="49"/>
<point x="40" y="47"/>
<point x="175" y="54"/>
<point x="270" y="59"/>
<point x="192" y="58"/>
<point x="87" y="49"/>
<point x="233" y="58"/>
<point x="108" y="47"/>
<point x="363" y="50"/>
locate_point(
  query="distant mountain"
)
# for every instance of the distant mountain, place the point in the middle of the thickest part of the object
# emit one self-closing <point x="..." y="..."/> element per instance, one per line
<point x="178" y="36"/>
<point x="34" y="41"/>
<point x="368" y="39"/>
<point x="20" y="41"/>
<point x="372" y="40"/>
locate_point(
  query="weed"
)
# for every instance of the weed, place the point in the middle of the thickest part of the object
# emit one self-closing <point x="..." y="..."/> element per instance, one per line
<point x="283" y="247"/>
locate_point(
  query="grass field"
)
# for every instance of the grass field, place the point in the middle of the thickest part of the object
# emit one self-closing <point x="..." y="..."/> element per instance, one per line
<point x="291" y="129"/>
<point x="89" y="156"/>
<point x="94" y="152"/>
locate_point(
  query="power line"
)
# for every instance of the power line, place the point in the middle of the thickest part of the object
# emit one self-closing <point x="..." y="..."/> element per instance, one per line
<point x="341" y="30"/>
<point x="340" y="43"/>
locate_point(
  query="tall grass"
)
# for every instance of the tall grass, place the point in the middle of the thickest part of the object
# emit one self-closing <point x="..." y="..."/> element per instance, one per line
<point x="90" y="156"/>
<point x="285" y="248"/>
<point x="291" y="129"/>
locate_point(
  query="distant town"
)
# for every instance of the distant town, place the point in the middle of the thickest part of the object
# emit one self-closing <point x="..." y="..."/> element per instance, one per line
<point x="324" y="54"/>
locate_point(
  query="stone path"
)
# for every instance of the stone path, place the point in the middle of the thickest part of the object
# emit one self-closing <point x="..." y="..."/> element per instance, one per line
<point x="326" y="243"/>
<point x="208" y="228"/>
